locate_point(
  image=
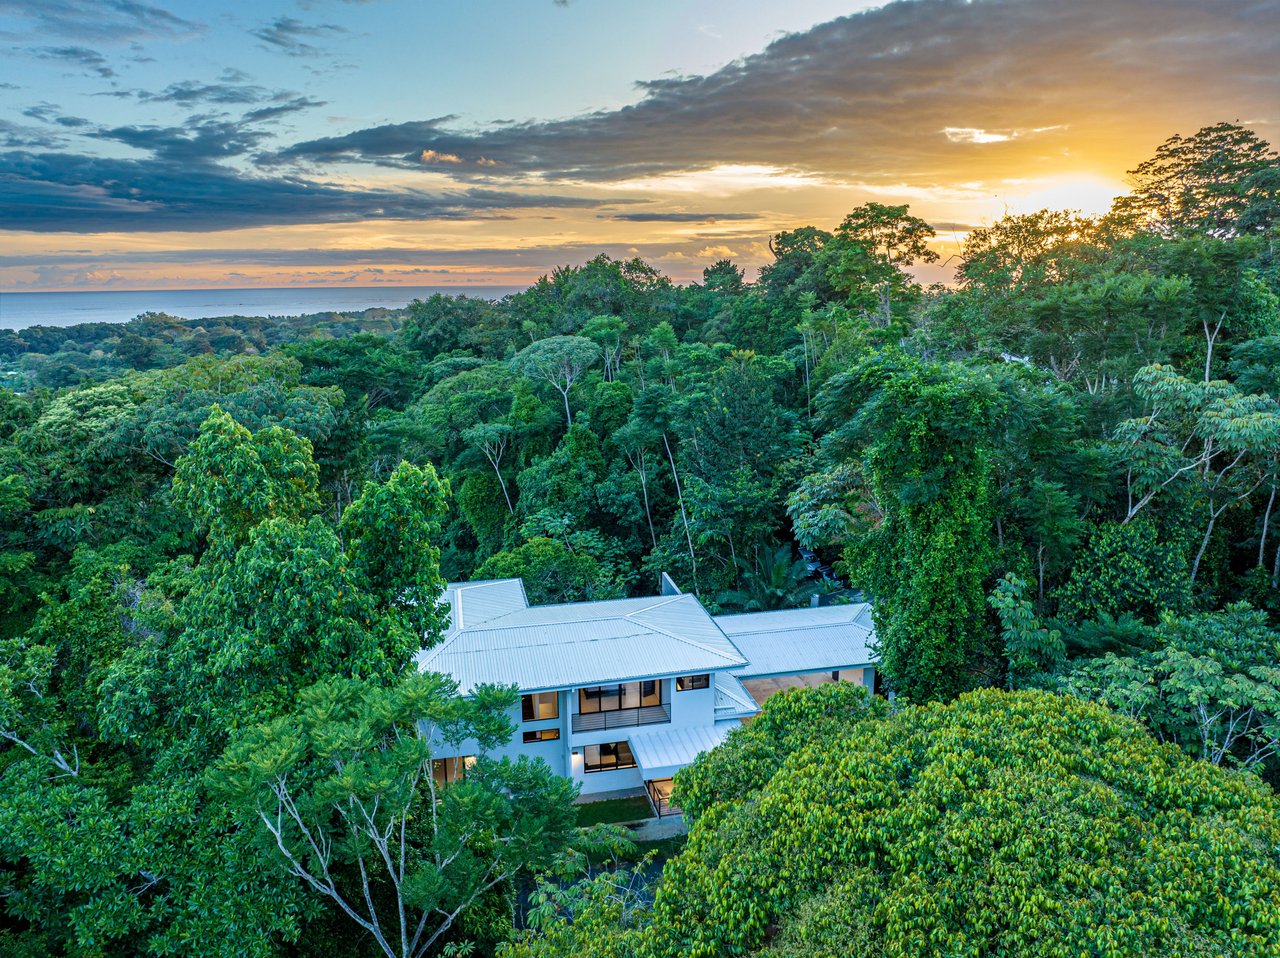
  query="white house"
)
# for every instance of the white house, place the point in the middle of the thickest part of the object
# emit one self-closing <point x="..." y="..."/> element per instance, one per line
<point x="623" y="693"/>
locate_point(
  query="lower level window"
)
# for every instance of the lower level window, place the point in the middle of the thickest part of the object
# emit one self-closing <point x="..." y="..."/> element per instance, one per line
<point x="542" y="735"/>
<point x="448" y="770"/>
<point x="608" y="756"/>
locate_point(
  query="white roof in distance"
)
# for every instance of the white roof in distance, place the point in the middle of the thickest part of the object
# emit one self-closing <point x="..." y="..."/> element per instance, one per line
<point x="794" y="641"/>
<point x="496" y="637"/>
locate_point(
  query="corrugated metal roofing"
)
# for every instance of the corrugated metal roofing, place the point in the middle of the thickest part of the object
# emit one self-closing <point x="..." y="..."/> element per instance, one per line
<point x="793" y="641"/>
<point x="732" y="698"/>
<point x="495" y="637"/>
<point x="661" y="752"/>
<point x="471" y="603"/>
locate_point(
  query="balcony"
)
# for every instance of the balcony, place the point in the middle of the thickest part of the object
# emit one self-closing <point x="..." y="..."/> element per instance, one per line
<point x="622" y="718"/>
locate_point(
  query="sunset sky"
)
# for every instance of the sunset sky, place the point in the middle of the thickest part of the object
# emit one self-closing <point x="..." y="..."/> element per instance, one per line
<point x="150" y="145"/>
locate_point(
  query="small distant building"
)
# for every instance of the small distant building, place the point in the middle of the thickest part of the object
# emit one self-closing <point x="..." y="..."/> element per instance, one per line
<point x="622" y="694"/>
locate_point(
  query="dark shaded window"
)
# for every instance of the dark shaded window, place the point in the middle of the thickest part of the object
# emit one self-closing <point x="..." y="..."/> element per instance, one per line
<point x="614" y="698"/>
<point x="607" y="757"/>
<point x="448" y="770"/>
<point x="541" y="735"/>
<point x="540" y="706"/>
<point x="687" y="683"/>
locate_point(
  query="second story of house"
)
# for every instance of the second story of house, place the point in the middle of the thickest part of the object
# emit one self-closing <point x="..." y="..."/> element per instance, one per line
<point x="620" y="692"/>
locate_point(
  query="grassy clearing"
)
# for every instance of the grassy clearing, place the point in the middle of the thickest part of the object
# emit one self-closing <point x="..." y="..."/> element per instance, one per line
<point x="615" y="810"/>
<point x="665" y="847"/>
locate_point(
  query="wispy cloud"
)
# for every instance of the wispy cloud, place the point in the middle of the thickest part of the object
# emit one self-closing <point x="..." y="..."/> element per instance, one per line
<point x="90" y="60"/>
<point x="291" y="36"/>
<point x="95" y="21"/>
<point x="52" y="113"/>
<point x="681" y="217"/>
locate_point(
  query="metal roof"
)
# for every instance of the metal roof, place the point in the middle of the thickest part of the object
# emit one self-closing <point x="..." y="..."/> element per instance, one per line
<point x="661" y="753"/>
<point x="794" y="641"/>
<point x="732" y="698"/>
<point x="496" y="637"/>
<point x="471" y="603"/>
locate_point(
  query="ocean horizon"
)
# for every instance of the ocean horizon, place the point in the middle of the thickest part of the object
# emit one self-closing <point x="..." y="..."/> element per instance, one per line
<point x="25" y="309"/>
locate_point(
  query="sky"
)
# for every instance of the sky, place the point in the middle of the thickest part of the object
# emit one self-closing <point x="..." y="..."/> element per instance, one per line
<point x="147" y="144"/>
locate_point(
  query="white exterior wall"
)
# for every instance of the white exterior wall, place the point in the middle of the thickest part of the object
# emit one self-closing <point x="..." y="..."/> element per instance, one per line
<point x="565" y="755"/>
<point x="591" y="782"/>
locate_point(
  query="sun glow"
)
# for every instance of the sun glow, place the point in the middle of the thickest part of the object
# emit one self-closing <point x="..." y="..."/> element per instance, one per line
<point x="1088" y="193"/>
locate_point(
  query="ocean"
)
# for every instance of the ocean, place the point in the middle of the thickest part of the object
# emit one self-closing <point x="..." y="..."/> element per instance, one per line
<point x="20" y="310"/>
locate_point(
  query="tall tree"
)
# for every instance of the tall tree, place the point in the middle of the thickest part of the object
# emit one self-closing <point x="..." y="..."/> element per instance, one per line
<point x="928" y="550"/>
<point x="1202" y="183"/>
<point x="868" y="257"/>
<point x="345" y="787"/>
<point x="560" y="361"/>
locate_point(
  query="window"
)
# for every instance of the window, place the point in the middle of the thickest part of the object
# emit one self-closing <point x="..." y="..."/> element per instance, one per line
<point x="607" y="757"/>
<point x="687" y="683"/>
<point x="614" y="698"/>
<point x="449" y="770"/>
<point x="541" y="735"/>
<point x="540" y="706"/>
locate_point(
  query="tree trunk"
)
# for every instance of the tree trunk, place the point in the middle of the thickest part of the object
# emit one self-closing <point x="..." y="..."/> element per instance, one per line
<point x="505" y="495"/>
<point x="644" y="489"/>
<point x="568" y="416"/>
<point x="1209" y="341"/>
<point x="1204" y="543"/>
<point x="684" y="516"/>
<point x="1266" y="522"/>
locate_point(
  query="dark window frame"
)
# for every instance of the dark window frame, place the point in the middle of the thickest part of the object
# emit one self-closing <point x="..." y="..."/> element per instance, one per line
<point x="541" y="735"/>
<point x="619" y="763"/>
<point x="691" y="683"/>
<point x="529" y="703"/>
<point x="648" y="688"/>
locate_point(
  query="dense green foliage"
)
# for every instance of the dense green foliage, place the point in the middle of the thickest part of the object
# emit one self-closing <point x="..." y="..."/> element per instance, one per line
<point x="999" y="824"/>
<point x="54" y="356"/>
<point x="221" y="543"/>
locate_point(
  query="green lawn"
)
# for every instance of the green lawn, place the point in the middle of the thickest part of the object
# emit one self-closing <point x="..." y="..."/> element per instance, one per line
<point x="615" y="810"/>
<point x="665" y="847"/>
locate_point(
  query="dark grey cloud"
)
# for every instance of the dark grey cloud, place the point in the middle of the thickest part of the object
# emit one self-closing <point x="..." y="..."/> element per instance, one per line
<point x="643" y="217"/>
<point x="15" y="136"/>
<point x="921" y="92"/>
<point x="52" y="113"/>
<point x="189" y="92"/>
<point x="206" y="137"/>
<point x="94" y="21"/>
<point x="90" y="60"/>
<point x="292" y="36"/>
<point x="181" y="188"/>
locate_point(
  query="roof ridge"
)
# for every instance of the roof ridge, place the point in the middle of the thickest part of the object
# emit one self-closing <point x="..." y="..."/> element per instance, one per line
<point x="662" y="600"/>
<point x="461" y="587"/>
<point x="688" y="641"/>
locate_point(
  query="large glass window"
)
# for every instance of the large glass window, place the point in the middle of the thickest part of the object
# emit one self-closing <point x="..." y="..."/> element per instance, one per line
<point x="541" y="735"/>
<point x="607" y="757"/>
<point x="540" y="706"/>
<point x="687" y="683"/>
<point x="614" y="698"/>
<point x="448" y="770"/>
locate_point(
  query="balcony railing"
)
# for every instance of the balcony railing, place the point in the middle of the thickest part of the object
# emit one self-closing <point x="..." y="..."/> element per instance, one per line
<point x="622" y="718"/>
<point x="660" y="796"/>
